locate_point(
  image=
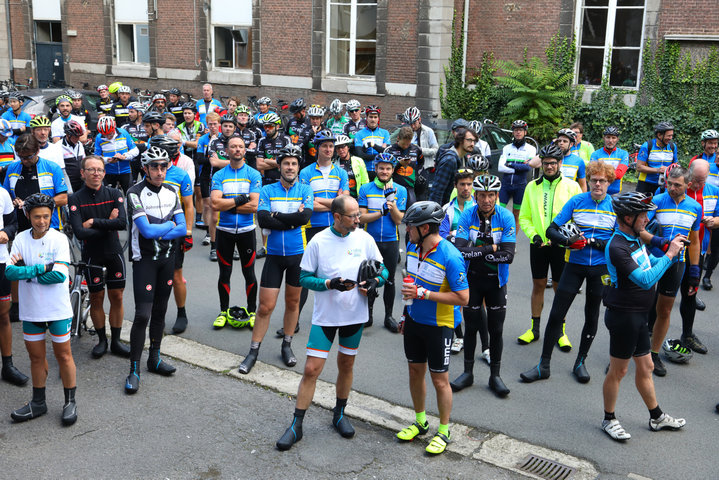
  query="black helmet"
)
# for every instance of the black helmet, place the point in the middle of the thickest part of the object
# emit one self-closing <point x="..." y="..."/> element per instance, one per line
<point x="551" y="150"/>
<point x="290" y="150"/>
<point x="611" y="131"/>
<point x="632" y="203"/>
<point x="297" y="105"/>
<point x="168" y="144"/>
<point x="153" y="117"/>
<point x="519" y="124"/>
<point x="662" y="127"/>
<point x="174" y="91"/>
<point x="423" y="212"/>
<point x="189" y="106"/>
<point x="38" y="200"/>
<point x="369" y="269"/>
<point x="228" y="118"/>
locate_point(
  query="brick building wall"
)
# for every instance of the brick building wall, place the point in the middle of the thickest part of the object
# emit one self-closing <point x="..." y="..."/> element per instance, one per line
<point x="175" y="35"/>
<point x="88" y="20"/>
<point x="286" y="38"/>
<point x="402" y="41"/>
<point x="693" y="17"/>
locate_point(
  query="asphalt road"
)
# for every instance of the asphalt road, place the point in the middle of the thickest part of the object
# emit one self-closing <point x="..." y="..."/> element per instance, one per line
<point x="558" y="413"/>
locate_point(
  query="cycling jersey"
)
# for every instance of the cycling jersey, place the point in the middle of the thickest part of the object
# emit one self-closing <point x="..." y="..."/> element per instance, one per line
<point x="8" y="224"/>
<point x="218" y="146"/>
<point x="351" y="128"/>
<point x="269" y="148"/>
<point x="72" y="158"/>
<point x="179" y="180"/>
<point x="201" y="153"/>
<point x="594" y="219"/>
<point x="159" y="205"/>
<point x="296" y="128"/>
<point x="356" y="173"/>
<point x="101" y="239"/>
<point x="676" y="219"/>
<point x="337" y="126"/>
<point x="7" y="151"/>
<point x="44" y="177"/>
<point x="406" y="176"/>
<point x="190" y="132"/>
<point x="377" y="139"/>
<point x="57" y="127"/>
<point x="276" y="198"/>
<point x="309" y="150"/>
<point x="325" y="182"/>
<point x="139" y="135"/>
<point x="372" y="197"/>
<point x="615" y="158"/>
<point x="573" y="167"/>
<point x="176" y="110"/>
<point x="512" y="163"/>
<point x="452" y="213"/>
<point x="233" y="182"/>
<point x="104" y="106"/>
<point x="121" y="114"/>
<point x="83" y="116"/>
<point x="249" y="136"/>
<point x="543" y="201"/>
<point x="122" y="143"/>
<point x="656" y="157"/>
<point x="52" y="152"/>
<point x="707" y="198"/>
<point x="584" y="151"/>
<point x="204" y="107"/>
<point x="441" y="269"/>
<point x="18" y="121"/>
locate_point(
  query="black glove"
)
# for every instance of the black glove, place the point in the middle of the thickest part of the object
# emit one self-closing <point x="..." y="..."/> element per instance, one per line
<point x="371" y="285"/>
<point x="49" y="267"/>
<point x="385" y="209"/>
<point x="338" y="284"/>
<point x="537" y="241"/>
<point x="241" y="199"/>
<point x="597" y="243"/>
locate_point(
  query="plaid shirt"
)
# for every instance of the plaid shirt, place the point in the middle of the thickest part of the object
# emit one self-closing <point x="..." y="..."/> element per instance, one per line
<point x="445" y="171"/>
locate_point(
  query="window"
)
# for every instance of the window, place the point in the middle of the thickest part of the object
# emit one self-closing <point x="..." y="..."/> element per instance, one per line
<point x="133" y="43"/>
<point x="610" y="42"/>
<point x="48" y="32"/>
<point x="351" y="37"/>
<point x="232" y="47"/>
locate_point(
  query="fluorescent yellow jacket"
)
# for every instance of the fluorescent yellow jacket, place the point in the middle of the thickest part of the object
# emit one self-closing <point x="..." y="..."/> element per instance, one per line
<point x="532" y="218"/>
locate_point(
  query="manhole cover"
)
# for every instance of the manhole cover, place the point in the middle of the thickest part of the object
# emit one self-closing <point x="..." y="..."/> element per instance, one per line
<point x="545" y="468"/>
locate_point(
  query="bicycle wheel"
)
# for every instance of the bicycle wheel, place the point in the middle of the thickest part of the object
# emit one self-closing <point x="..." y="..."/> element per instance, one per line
<point x="76" y="303"/>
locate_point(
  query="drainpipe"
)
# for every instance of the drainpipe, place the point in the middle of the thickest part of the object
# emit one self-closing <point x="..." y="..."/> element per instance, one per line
<point x="464" y="42"/>
<point x="9" y="39"/>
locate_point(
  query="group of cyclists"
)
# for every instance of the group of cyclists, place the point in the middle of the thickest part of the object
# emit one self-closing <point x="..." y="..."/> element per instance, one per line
<point x="331" y="192"/>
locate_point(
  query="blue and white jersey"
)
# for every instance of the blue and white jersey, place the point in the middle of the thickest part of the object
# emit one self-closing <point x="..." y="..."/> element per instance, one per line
<point x="713" y="177"/>
<point x="377" y="137"/>
<point x="372" y="198"/>
<point x="594" y="219"/>
<point x="203" y="108"/>
<point x="656" y="157"/>
<point x="710" y="202"/>
<point x="676" y="218"/>
<point x="107" y="148"/>
<point x="18" y="121"/>
<point x="276" y="198"/>
<point x="7" y="152"/>
<point x="614" y="158"/>
<point x="50" y="179"/>
<point x="504" y="230"/>
<point x="233" y="182"/>
<point x="324" y="185"/>
<point x="573" y="167"/>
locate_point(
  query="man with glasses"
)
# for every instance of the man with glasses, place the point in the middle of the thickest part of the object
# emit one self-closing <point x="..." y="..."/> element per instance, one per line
<point x="372" y="139"/>
<point x="448" y="161"/>
<point x="97" y="213"/>
<point x="355" y="122"/>
<point x="514" y="165"/>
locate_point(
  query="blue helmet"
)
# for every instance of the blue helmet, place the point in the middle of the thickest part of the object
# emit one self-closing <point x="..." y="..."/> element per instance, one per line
<point x="322" y="136"/>
<point x="385" y="158"/>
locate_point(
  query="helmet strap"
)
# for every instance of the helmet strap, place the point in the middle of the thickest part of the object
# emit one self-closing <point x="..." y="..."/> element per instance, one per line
<point x="518" y="143"/>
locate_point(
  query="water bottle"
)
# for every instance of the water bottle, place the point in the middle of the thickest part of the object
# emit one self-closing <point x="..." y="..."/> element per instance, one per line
<point x="407" y="281"/>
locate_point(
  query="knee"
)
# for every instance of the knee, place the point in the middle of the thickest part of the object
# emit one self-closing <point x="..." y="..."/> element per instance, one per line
<point x="312" y="371"/>
<point x="266" y="308"/>
<point x="440" y="382"/>
<point x="292" y="303"/>
<point x="64" y="356"/>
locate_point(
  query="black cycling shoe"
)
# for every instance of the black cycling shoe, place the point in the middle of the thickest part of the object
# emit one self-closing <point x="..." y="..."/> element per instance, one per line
<point x="497" y="386"/>
<point x="369" y="322"/>
<point x="29" y="411"/>
<point x="580" y="370"/>
<point x="700" y="305"/>
<point x="694" y="344"/>
<point x="287" y="355"/>
<point x="540" y="372"/>
<point x="69" y="413"/>
<point x="261" y="253"/>
<point x="180" y="324"/>
<point x="291" y="436"/>
<point x="342" y="423"/>
<point x="11" y="374"/>
<point x="249" y="361"/>
<point x="213" y="255"/>
<point x="132" y="382"/>
<point x="156" y="365"/>
<point x="659" y="369"/>
<point x="100" y="349"/>
<point x="120" y="349"/>
<point x="707" y="283"/>
<point x="391" y="325"/>
<point x="281" y="332"/>
<point x="465" y="380"/>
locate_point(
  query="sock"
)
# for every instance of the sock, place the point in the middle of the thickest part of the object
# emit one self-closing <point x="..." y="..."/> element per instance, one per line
<point x="115" y="331"/>
<point x="6" y="361"/>
<point x="535" y="324"/>
<point x="655" y="412"/>
<point x="444" y="429"/>
<point x="287" y="339"/>
<point x="255" y="345"/>
<point x="69" y="394"/>
<point x="299" y="416"/>
<point x="421" y="418"/>
<point x="38" y="394"/>
<point x="101" y="334"/>
<point x="181" y="312"/>
<point x="213" y="245"/>
<point x="609" y="416"/>
<point x="341" y="403"/>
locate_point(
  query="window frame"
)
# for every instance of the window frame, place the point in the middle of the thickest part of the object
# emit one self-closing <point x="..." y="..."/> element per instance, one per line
<point x="608" y="46"/>
<point x="134" y="41"/>
<point x="234" y="56"/>
<point x="352" y="40"/>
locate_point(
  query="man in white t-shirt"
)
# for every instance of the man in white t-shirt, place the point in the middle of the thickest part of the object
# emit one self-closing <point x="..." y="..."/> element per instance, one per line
<point x="64" y="109"/>
<point x="331" y="262"/>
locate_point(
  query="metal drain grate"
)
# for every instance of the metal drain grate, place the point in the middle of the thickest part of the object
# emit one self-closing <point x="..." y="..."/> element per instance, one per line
<point x="545" y="468"/>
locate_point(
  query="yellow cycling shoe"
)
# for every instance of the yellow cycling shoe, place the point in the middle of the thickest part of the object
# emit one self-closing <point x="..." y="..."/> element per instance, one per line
<point x="528" y="337"/>
<point x="220" y="321"/>
<point x="564" y="344"/>
<point x="438" y="444"/>
<point x="408" y="434"/>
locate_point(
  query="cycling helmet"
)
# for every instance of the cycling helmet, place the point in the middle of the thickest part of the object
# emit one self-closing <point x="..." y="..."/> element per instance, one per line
<point x="315" y="111"/>
<point x="174" y="91"/>
<point x="158" y="96"/>
<point x="37" y="200"/>
<point x="459" y="123"/>
<point x="341" y="140"/>
<point x="73" y="127"/>
<point x="189" y="106"/>
<point x="63" y="98"/>
<point x="710" y="135"/>
<point x="165" y="142"/>
<point x="422" y="213"/>
<point x="411" y="115"/>
<point x="136" y="106"/>
<point x="570" y="230"/>
<point x="322" y="136"/>
<point x="102" y="87"/>
<point x="124" y="89"/>
<point x="372" y="109"/>
<point x="478" y="162"/>
<point x="228" y="118"/>
<point x="106" y="126"/>
<point x="14" y="95"/>
<point x="476" y="125"/>
<point x="486" y="183"/>
<point x="154" y="154"/>
<point x="271" y="118"/>
<point x="75" y="95"/>
<point x="243" y="109"/>
<point x="519" y="124"/>
<point x="297" y="105"/>
<point x="551" y="150"/>
<point x="385" y="158"/>
<point x="676" y="352"/>
<point x="569" y="133"/>
<point x="114" y="87"/>
<point x="353" y="105"/>
<point x="5" y="128"/>
<point x="290" y="150"/>
<point x="153" y="117"/>
<point x="264" y="101"/>
<point x="611" y="131"/>
<point x="662" y="127"/>
<point x="632" y="203"/>
<point x="669" y="169"/>
<point x="40" y="121"/>
<point x="370" y="269"/>
<point x="336" y="106"/>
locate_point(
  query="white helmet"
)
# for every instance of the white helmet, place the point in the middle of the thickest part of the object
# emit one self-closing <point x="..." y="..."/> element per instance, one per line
<point x="343" y="140"/>
<point x="315" y="111"/>
<point x="411" y="115"/>
<point x="676" y="352"/>
<point x="570" y="230"/>
<point x="353" y="105"/>
<point x="336" y="106"/>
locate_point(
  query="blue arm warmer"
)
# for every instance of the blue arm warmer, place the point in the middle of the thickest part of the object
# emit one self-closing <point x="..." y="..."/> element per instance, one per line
<point x="647" y="278"/>
<point x="26" y="272"/>
<point x="180" y="230"/>
<point x="152" y="230"/>
<point x="312" y="282"/>
<point x="51" y="277"/>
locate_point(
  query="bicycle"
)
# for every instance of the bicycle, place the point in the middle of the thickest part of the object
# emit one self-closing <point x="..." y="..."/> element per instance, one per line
<point x="80" y="300"/>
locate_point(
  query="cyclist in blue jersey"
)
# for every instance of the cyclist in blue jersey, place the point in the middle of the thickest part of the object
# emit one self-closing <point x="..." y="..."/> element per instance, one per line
<point x="372" y="139"/>
<point x="117" y="148"/>
<point x="573" y="166"/>
<point x="19" y="120"/>
<point x="7" y="149"/>
<point x="486" y="237"/>
<point x="382" y="205"/>
<point x="235" y="194"/>
<point x="709" y="143"/>
<point x="284" y="208"/>
<point x="654" y="157"/>
<point x="204" y="179"/>
<point x="438" y="290"/>
<point x="207" y="104"/>
<point x="592" y="221"/>
<point x="614" y="156"/>
<point x="263" y="106"/>
<point x="514" y="165"/>
<point x="355" y="122"/>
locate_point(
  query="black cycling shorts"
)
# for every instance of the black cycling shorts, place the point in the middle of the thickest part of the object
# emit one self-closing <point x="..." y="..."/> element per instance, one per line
<point x="4" y="285"/>
<point x="628" y="333"/>
<point x="205" y="181"/>
<point x="114" y="276"/>
<point x="646" y="187"/>
<point x="276" y="265"/>
<point x="542" y="258"/>
<point x="574" y="274"/>
<point x="670" y="282"/>
<point x="119" y="180"/>
<point x="197" y="175"/>
<point x="152" y="280"/>
<point x="427" y="344"/>
<point x="179" y="253"/>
